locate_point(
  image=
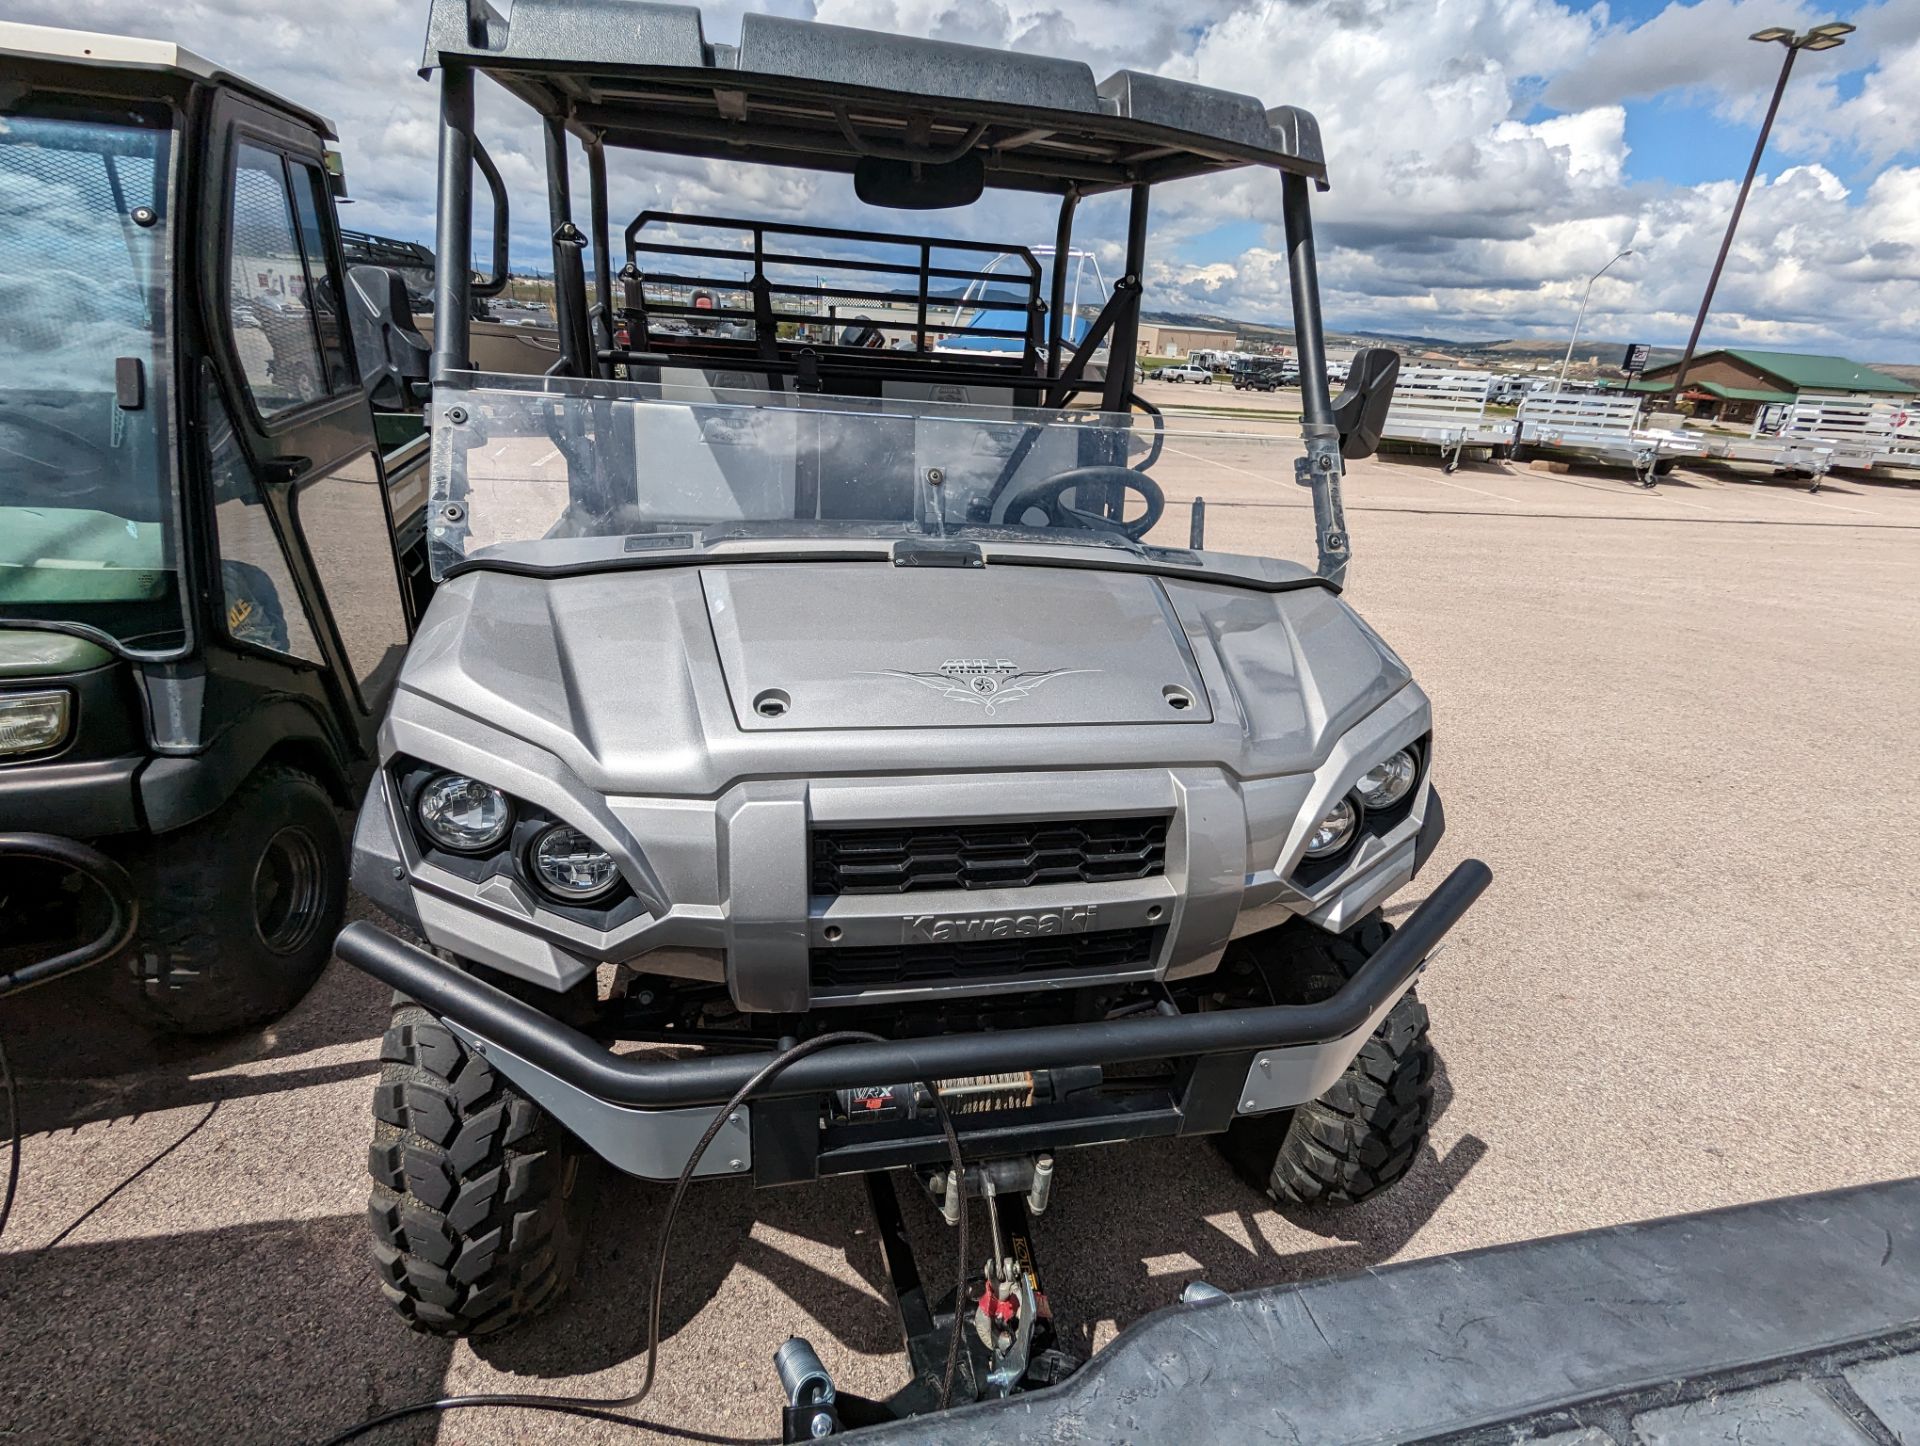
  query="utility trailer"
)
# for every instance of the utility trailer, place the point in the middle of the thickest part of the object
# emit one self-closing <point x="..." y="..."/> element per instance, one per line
<point x="1446" y="409"/>
<point x="1860" y="434"/>
<point x="1797" y="456"/>
<point x="835" y="707"/>
<point x="1602" y="427"/>
<point x="209" y="563"/>
<point x="1791" y="1321"/>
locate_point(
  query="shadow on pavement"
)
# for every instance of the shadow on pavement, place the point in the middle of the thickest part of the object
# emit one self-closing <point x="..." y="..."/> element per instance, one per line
<point x="270" y="1332"/>
<point x="79" y="1061"/>
<point x="1129" y="1227"/>
<point x="602" y="1322"/>
<point x="278" y="1332"/>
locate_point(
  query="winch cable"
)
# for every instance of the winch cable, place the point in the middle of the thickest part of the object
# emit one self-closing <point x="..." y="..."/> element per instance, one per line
<point x="604" y="1408"/>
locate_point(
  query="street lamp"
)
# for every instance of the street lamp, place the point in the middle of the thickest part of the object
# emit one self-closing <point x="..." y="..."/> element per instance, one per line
<point x="1830" y="36"/>
<point x="1587" y="296"/>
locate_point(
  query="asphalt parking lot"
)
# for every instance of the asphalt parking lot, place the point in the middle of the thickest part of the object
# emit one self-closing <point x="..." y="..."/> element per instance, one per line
<point x="1677" y="724"/>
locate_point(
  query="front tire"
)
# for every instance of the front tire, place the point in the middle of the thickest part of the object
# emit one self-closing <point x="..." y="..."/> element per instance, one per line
<point x="479" y="1195"/>
<point x="238" y="911"/>
<point x="1366" y="1132"/>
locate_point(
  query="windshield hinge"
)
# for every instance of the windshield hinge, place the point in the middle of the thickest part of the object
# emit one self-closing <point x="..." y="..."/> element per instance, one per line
<point x="937" y="554"/>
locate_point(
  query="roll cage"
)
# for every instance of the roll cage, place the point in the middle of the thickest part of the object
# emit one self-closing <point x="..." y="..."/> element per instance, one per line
<point x="898" y="113"/>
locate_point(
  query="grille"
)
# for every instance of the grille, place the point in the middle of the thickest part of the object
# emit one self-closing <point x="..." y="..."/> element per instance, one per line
<point x="907" y="859"/>
<point x="867" y="965"/>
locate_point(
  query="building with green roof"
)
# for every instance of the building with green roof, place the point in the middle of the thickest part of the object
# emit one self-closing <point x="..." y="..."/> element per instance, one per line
<point x="1733" y="383"/>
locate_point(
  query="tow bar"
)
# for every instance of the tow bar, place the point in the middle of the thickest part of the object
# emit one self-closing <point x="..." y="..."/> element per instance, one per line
<point x="1012" y="1346"/>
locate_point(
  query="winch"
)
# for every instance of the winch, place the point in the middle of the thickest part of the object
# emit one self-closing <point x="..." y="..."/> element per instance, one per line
<point x="966" y="1095"/>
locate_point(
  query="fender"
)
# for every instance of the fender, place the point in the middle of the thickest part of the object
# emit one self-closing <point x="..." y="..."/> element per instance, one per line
<point x="175" y="792"/>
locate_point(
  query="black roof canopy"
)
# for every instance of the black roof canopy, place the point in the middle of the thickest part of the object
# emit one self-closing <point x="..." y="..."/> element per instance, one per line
<point x="796" y="93"/>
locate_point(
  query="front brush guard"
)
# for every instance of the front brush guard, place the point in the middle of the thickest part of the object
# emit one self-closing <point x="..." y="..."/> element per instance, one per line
<point x="644" y="1115"/>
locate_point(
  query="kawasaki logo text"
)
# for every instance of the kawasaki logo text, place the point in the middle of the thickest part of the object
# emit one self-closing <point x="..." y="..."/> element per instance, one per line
<point x="944" y="929"/>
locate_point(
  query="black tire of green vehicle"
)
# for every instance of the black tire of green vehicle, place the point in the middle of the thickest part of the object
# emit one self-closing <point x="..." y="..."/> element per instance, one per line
<point x="479" y="1196"/>
<point x="220" y="946"/>
<point x="1365" y="1132"/>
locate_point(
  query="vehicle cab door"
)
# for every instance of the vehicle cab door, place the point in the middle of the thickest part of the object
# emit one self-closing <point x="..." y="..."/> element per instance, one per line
<point x="282" y="377"/>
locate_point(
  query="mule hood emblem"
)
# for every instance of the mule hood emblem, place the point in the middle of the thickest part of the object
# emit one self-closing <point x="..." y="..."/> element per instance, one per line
<point x="989" y="683"/>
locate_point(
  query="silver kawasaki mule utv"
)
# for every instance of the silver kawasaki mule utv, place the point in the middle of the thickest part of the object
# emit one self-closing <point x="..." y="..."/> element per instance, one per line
<point x="781" y="685"/>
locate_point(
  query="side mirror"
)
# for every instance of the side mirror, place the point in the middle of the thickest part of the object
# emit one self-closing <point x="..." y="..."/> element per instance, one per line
<point x="1360" y="411"/>
<point x="393" y="355"/>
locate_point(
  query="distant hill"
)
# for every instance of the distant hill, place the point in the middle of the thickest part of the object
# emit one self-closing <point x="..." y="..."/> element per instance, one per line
<point x="1505" y="352"/>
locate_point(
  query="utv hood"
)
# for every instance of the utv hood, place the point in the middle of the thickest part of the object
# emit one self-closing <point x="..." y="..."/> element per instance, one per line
<point x="822" y="647"/>
<point x="684" y="680"/>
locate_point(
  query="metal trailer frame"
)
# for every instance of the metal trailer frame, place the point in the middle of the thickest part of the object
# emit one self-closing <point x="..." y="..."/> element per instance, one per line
<point x="1603" y="427"/>
<point x="1805" y="458"/>
<point x="1861" y="432"/>
<point x="1446" y="408"/>
<point x="643" y="76"/>
<point x="1905" y="426"/>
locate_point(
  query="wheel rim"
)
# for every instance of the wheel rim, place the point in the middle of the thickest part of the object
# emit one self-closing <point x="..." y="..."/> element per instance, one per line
<point x="288" y="890"/>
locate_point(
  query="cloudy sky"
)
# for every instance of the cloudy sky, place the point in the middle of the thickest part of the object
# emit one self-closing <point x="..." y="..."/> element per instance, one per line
<point x="1486" y="155"/>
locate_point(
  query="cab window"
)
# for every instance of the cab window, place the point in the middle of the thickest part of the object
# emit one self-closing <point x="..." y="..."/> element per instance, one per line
<point x="310" y="200"/>
<point x="260" y="604"/>
<point x="270" y="302"/>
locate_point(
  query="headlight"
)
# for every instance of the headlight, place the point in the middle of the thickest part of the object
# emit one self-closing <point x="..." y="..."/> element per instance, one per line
<point x="463" y="814"/>
<point x="571" y="866"/>
<point x="32" y="722"/>
<point x="1389" y="781"/>
<point x="1330" y="835"/>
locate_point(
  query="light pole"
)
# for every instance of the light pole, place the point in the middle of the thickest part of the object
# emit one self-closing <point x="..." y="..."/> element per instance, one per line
<point x="1585" y="297"/>
<point x="1830" y="36"/>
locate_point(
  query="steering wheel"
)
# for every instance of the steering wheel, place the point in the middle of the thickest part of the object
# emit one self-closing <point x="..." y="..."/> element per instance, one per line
<point x="1045" y="494"/>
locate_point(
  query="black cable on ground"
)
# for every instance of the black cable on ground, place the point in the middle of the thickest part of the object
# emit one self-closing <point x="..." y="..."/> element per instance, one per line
<point x="605" y="1408"/>
<point x="13" y="1142"/>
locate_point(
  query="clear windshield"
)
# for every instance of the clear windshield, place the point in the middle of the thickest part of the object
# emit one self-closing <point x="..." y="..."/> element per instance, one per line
<point x="561" y="472"/>
<point x="86" y="504"/>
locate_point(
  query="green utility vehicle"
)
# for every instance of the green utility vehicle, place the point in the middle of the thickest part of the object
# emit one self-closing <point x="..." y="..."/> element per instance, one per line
<point x="206" y="577"/>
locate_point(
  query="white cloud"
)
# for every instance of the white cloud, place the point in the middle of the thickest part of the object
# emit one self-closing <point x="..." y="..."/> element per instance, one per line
<point x="1701" y="51"/>
<point x="1457" y="208"/>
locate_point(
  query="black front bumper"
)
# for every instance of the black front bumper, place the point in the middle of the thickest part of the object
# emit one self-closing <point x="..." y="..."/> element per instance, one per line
<point x="99" y="873"/>
<point x="606" y="1098"/>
